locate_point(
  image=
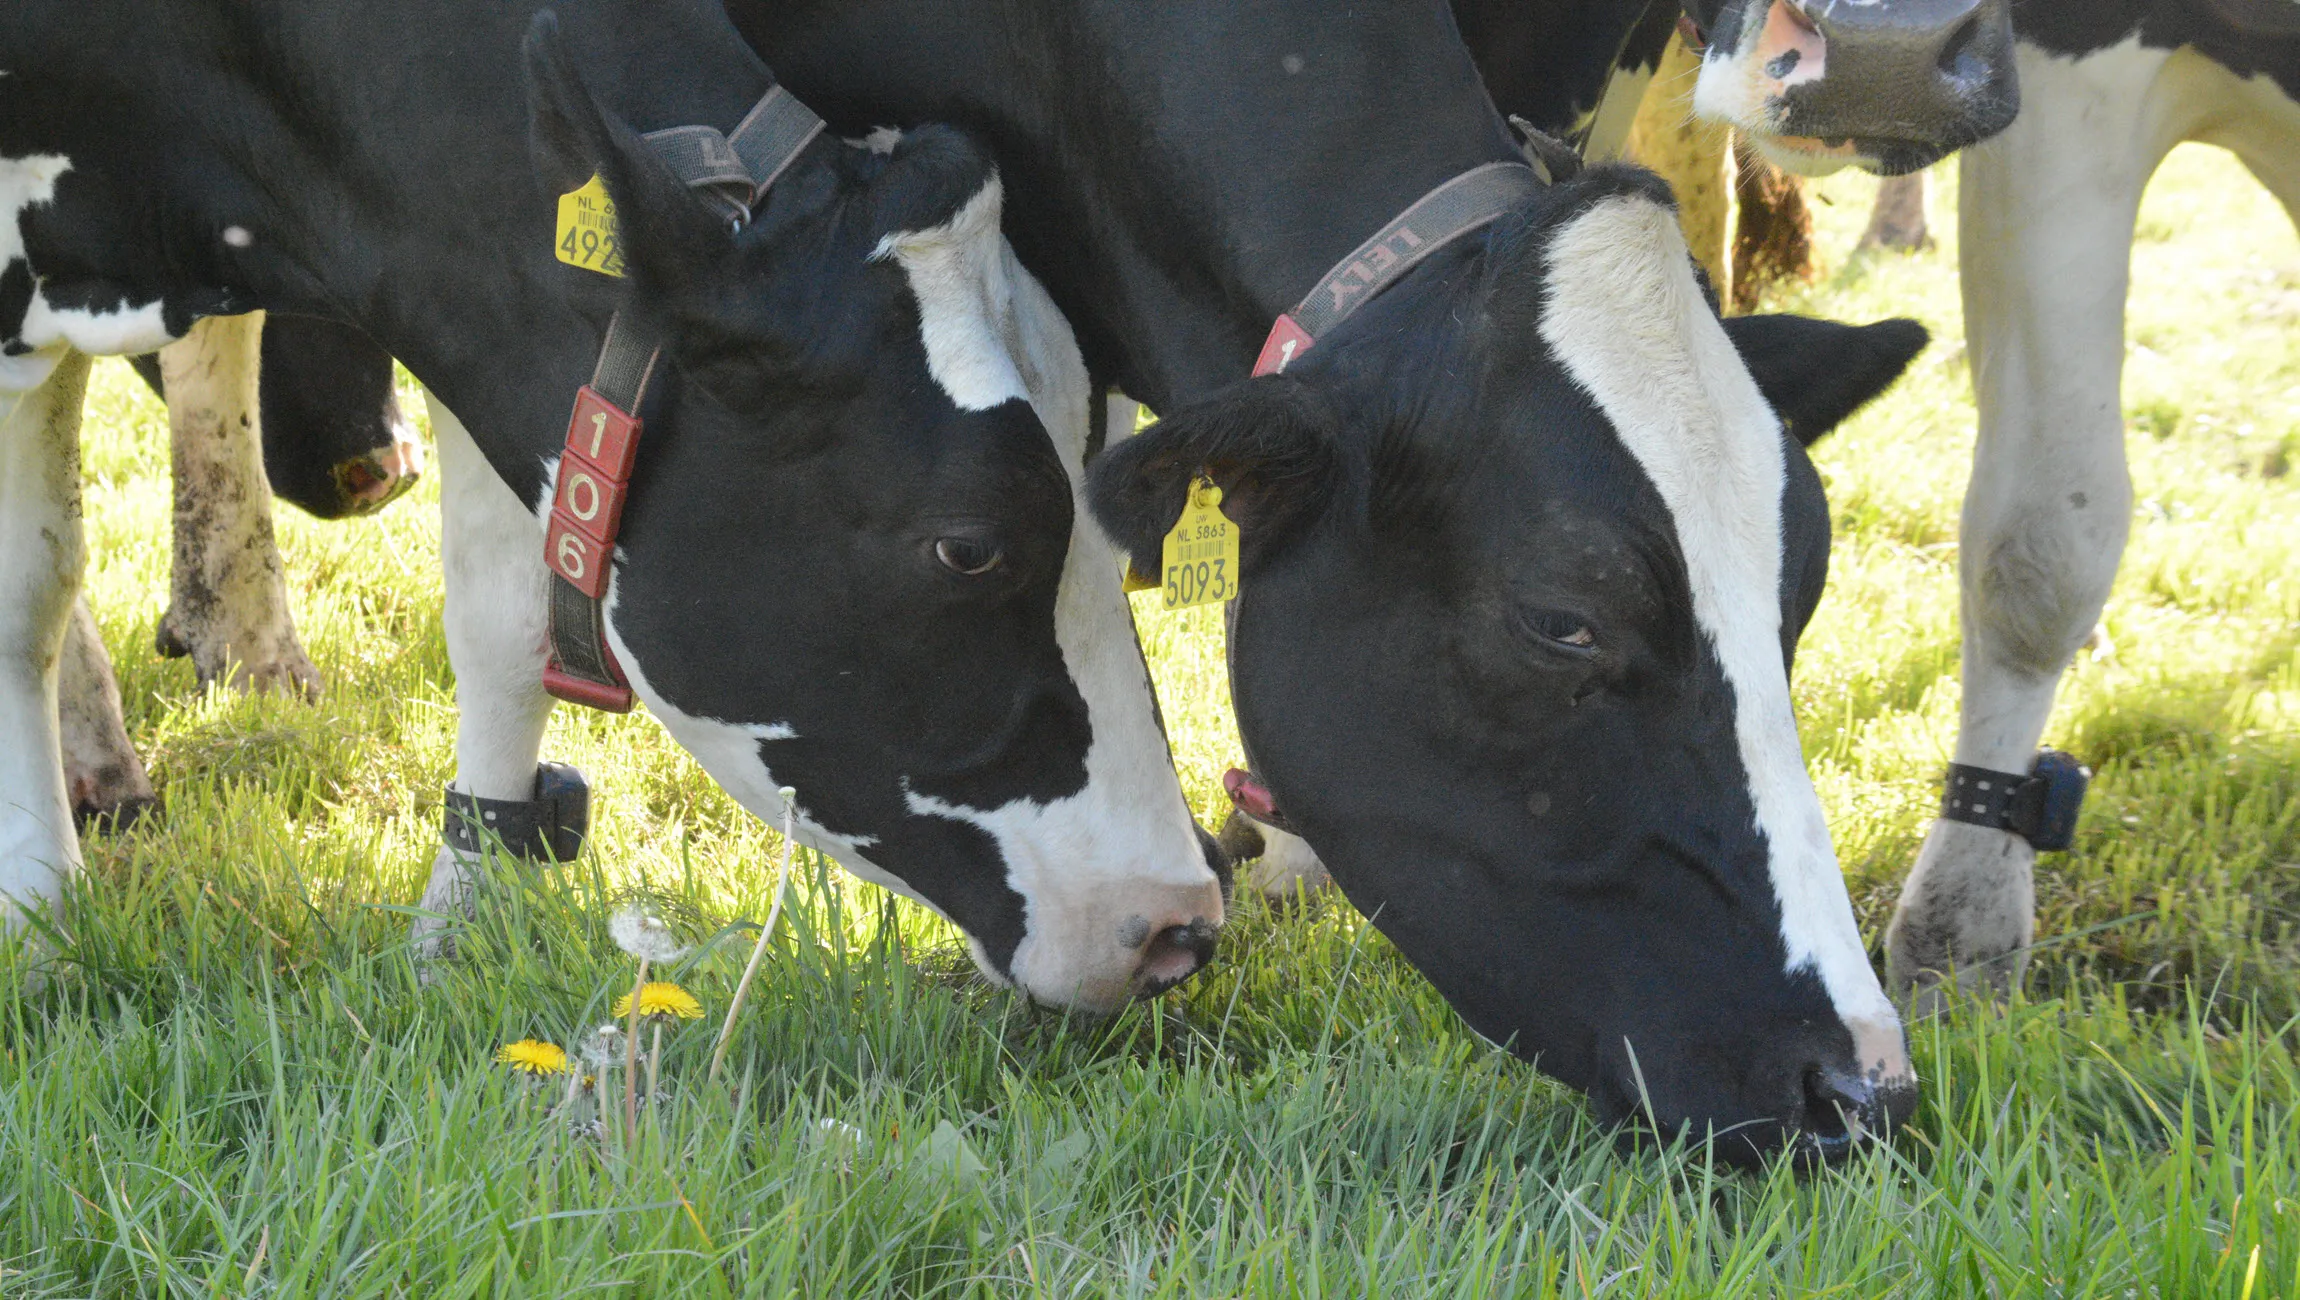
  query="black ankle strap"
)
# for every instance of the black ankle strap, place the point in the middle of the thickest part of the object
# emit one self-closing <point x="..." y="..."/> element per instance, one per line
<point x="548" y="827"/>
<point x="2039" y="805"/>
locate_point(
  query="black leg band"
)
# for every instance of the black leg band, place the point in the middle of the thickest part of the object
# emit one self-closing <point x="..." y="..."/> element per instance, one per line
<point x="549" y="826"/>
<point x="2039" y="806"/>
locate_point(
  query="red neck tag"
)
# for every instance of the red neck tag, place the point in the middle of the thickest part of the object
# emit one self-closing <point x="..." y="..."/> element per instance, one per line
<point x="1287" y="341"/>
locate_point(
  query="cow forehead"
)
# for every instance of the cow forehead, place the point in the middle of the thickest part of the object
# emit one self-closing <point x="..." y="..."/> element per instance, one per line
<point x="1625" y="318"/>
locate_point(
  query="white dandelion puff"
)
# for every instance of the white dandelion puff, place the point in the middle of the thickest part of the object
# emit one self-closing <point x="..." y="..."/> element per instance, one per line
<point x="645" y="935"/>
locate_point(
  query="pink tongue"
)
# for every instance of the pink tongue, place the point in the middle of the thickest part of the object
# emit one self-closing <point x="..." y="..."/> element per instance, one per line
<point x="1252" y="797"/>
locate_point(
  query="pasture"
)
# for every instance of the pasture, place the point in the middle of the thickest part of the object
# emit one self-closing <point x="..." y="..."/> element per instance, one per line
<point x="219" y="1074"/>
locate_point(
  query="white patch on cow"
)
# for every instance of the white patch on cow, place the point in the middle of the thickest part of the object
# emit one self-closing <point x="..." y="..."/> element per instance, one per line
<point x="126" y="330"/>
<point x="1743" y="87"/>
<point x="41" y="552"/>
<point x="966" y="308"/>
<point x="238" y="237"/>
<point x="120" y="331"/>
<point x="1629" y="323"/>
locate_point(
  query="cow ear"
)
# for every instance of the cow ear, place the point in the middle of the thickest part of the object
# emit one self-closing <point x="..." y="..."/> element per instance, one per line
<point x="1269" y="443"/>
<point x="1816" y="373"/>
<point x="685" y="263"/>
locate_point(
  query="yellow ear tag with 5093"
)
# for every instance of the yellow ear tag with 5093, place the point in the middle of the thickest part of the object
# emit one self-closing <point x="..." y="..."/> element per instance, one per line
<point x="586" y="234"/>
<point x="1200" y="558"/>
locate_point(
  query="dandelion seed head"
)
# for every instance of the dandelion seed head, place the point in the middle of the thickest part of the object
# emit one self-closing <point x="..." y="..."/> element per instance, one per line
<point x="644" y="935"/>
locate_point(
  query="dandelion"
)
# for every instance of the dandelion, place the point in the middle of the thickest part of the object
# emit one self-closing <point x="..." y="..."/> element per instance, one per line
<point x="603" y="1049"/>
<point x="645" y="935"/>
<point x="532" y="1056"/>
<point x="661" y="1001"/>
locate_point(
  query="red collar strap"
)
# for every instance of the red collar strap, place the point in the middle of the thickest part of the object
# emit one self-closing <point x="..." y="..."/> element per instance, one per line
<point x="1468" y="202"/>
<point x="735" y="169"/>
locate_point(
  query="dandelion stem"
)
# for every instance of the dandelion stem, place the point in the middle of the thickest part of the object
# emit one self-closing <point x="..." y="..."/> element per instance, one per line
<point x="654" y="1063"/>
<point x="759" y="949"/>
<point x="631" y="1060"/>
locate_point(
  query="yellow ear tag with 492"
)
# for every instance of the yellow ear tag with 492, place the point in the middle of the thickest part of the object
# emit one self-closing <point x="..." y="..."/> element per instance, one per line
<point x="1199" y="560"/>
<point x="586" y="234"/>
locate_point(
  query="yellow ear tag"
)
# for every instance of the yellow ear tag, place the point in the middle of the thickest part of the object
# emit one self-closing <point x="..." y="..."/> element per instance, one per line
<point x="586" y="235"/>
<point x="1200" y="557"/>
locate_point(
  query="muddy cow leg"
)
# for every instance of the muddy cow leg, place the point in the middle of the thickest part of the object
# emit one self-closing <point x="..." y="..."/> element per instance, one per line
<point x="491" y="549"/>
<point x="228" y="605"/>
<point x="41" y="555"/>
<point x="102" y="775"/>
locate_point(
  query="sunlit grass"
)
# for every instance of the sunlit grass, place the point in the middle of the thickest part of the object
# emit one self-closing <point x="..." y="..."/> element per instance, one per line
<point x="229" y="1080"/>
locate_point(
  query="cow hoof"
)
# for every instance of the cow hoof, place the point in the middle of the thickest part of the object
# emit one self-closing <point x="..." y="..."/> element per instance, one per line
<point x="167" y="641"/>
<point x="1288" y="867"/>
<point x="290" y="674"/>
<point x="446" y="901"/>
<point x="117" y="817"/>
<point x="1966" y="917"/>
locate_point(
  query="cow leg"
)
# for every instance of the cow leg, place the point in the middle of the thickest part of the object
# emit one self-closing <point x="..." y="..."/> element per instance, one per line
<point x="1898" y="219"/>
<point x="41" y="555"/>
<point x="491" y="549"/>
<point x="2045" y="228"/>
<point x="102" y="775"/>
<point x="228" y="605"/>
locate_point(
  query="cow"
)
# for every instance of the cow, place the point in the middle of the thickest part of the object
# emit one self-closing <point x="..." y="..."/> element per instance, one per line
<point x="852" y="560"/>
<point x="1512" y="665"/>
<point x="2045" y="224"/>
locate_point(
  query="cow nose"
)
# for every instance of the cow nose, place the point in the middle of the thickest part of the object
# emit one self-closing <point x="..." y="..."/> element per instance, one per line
<point x="1937" y="73"/>
<point x="1174" y="953"/>
<point x="1843" y="1108"/>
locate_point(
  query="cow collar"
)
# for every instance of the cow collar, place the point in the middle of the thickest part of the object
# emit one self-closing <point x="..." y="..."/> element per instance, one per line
<point x="735" y="170"/>
<point x="1468" y="202"/>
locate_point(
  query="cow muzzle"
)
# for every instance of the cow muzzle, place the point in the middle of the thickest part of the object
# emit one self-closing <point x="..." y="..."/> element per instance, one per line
<point x="1893" y="86"/>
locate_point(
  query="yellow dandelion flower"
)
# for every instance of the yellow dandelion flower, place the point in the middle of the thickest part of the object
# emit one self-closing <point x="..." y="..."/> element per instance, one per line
<point x="533" y="1057"/>
<point x="661" y="998"/>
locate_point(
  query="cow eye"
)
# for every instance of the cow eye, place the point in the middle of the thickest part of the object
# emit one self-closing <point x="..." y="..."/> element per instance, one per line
<point x="1567" y="632"/>
<point x="967" y="555"/>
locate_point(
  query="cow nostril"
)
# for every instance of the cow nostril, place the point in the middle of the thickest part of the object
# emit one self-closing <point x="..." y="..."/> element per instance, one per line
<point x="1175" y="953"/>
<point x="1958" y="60"/>
<point x="1838" y="1110"/>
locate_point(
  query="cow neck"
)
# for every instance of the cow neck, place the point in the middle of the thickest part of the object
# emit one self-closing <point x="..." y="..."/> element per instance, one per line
<point x="1469" y="202"/>
<point x="1177" y="175"/>
<point x="734" y="170"/>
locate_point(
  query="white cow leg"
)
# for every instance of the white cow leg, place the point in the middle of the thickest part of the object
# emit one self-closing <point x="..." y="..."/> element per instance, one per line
<point x="2046" y="220"/>
<point x="227" y="604"/>
<point x="102" y="775"/>
<point x="491" y="548"/>
<point x="41" y="554"/>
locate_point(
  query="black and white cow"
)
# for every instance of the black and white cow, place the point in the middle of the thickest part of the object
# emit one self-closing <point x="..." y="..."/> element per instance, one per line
<point x="1893" y="85"/>
<point x="853" y="560"/>
<point x="2045" y="224"/>
<point x="1526" y="547"/>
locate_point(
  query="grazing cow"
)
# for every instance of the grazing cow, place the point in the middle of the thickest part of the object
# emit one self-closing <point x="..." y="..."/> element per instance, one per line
<point x="851" y="559"/>
<point x="2045" y="224"/>
<point x="1525" y="545"/>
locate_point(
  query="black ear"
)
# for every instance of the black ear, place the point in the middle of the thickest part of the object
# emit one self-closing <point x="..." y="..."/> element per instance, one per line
<point x="1816" y="373"/>
<point x="1269" y="443"/>
<point x="687" y="266"/>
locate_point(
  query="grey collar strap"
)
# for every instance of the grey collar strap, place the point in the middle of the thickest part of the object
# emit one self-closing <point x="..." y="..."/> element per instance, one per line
<point x="734" y="169"/>
<point x="1471" y="201"/>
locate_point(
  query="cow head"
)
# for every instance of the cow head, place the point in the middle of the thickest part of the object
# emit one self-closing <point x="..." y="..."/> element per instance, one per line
<point x="853" y="561"/>
<point x="1527" y="550"/>
<point x="1892" y="85"/>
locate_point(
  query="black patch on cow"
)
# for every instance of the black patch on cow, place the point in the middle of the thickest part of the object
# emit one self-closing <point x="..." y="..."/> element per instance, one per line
<point x="2248" y="37"/>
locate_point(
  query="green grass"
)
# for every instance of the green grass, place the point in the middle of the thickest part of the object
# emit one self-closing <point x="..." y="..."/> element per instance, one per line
<point x="228" y="1080"/>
